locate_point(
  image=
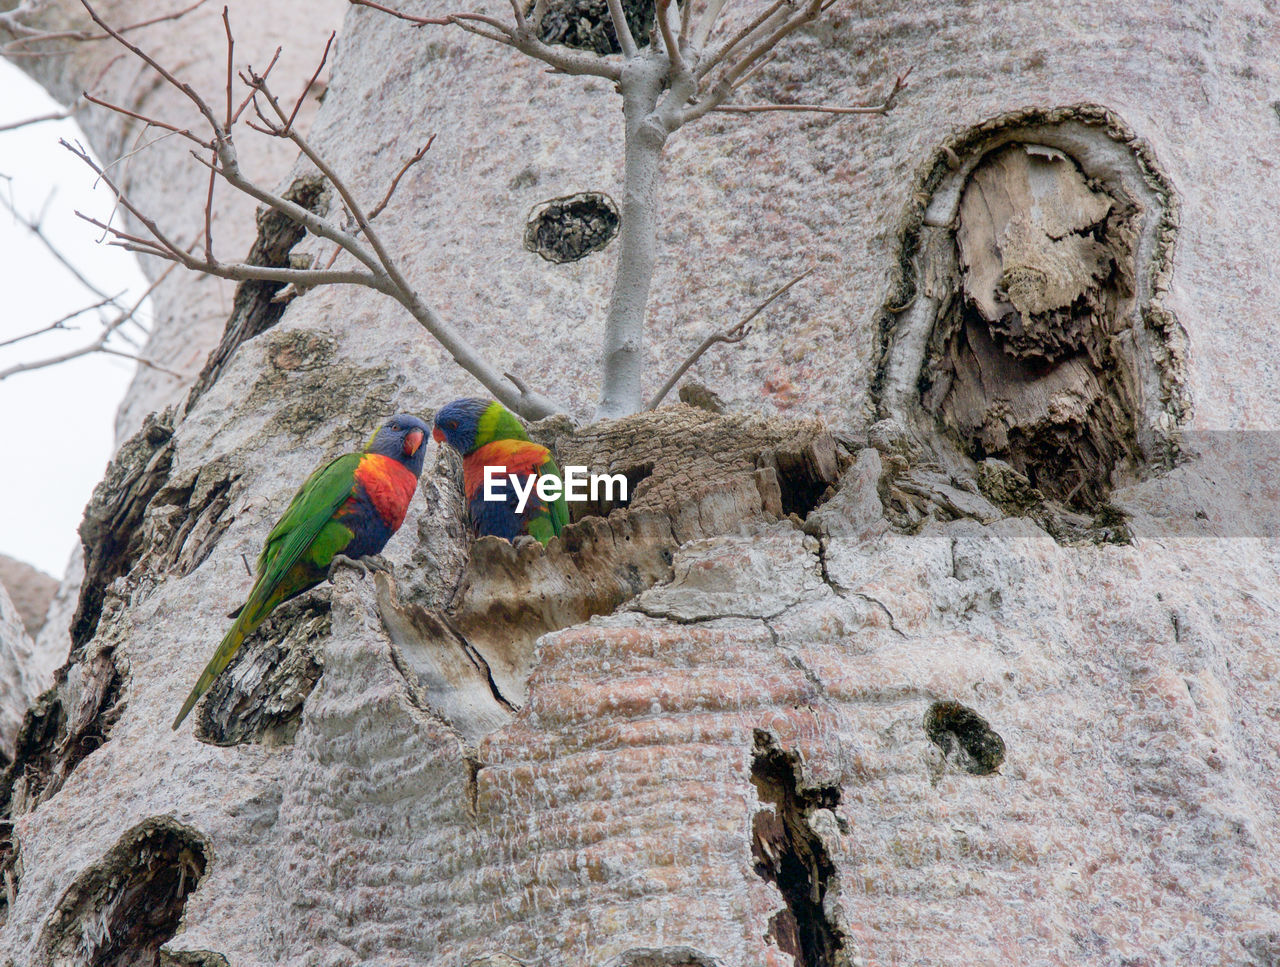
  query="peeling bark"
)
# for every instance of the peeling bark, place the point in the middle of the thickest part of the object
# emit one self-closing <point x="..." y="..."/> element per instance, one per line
<point x="1040" y="256"/>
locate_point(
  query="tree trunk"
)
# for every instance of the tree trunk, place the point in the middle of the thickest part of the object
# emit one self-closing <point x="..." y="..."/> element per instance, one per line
<point x="623" y="378"/>
<point x="982" y="673"/>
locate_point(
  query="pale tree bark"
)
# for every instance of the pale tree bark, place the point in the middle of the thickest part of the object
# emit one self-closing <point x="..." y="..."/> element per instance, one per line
<point x="944" y="717"/>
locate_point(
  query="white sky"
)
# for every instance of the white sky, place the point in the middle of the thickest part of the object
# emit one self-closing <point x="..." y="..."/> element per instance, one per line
<point x="57" y="424"/>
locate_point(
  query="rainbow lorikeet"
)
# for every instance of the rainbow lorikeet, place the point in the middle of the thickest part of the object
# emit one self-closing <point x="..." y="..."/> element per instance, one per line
<point x="488" y="435"/>
<point x="350" y="506"/>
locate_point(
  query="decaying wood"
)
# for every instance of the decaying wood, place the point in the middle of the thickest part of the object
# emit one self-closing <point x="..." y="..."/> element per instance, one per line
<point x="1025" y="364"/>
<point x="111" y="529"/>
<point x="259" y="697"/>
<point x="124" y="908"/>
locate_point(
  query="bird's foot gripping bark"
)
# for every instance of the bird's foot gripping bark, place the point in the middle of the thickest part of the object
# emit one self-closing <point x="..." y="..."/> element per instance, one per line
<point x="365" y="565"/>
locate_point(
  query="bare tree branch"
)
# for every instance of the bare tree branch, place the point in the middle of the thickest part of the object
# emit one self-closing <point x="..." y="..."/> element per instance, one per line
<point x="526" y="42"/>
<point x="99" y="345"/>
<point x="153" y="122"/>
<point x="664" y="86"/>
<point x="151" y="62"/>
<point x="710" y="62"/>
<point x="621" y="29"/>
<point x="734" y="334"/>
<point x="297" y="105"/>
<point x="379" y="271"/>
<point x="30" y="35"/>
<point x="38" y="119"/>
<point x="58" y="324"/>
<point x="668" y="40"/>
<point x="395" y="182"/>
<point x="36" y="228"/>
<point x="760" y="46"/>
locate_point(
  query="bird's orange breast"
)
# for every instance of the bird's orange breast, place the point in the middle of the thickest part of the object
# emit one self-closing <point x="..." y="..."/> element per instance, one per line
<point x="390" y="486"/>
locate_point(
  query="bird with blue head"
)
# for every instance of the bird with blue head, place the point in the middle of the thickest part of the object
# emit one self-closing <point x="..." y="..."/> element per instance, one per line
<point x="487" y="435"/>
<point x="350" y="506"/>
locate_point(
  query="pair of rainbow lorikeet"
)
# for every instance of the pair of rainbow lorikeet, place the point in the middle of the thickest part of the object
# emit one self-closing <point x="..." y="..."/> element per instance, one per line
<point x="352" y="505"/>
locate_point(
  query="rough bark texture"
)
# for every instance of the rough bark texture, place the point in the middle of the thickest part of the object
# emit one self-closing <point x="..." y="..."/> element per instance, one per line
<point x="939" y="719"/>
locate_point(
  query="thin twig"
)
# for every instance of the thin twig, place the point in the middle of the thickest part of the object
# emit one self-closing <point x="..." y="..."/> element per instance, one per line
<point x="154" y="122"/>
<point x="99" y="345"/>
<point x="417" y="21"/>
<point x="709" y="64"/>
<point x="231" y="46"/>
<point x="142" y="361"/>
<point x="761" y="64"/>
<point x="288" y="125"/>
<point x="558" y="58"/>
<point x="884" y="107"/>
<point x="35" y="228"/>
<point x="59" y="323"/>
<point x="249" y="97"/>
<point x="156" y="66"/>
<point x="735" y="69"/>
<point x="815" y="108"/>
<point x="38" y="119"/>
<point x="380" y="271"/>
<point x="735" y="333"/>
<point x="418" y="156"/>
<point x="686" y="20"/>
<point x="85" y="36"/>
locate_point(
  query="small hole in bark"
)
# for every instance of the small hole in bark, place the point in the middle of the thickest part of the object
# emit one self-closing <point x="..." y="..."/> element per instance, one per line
<point x="663" y="957"/>
<point x="964" y="737"/>
<point x="805" y="476"/>
<point x="586" y="24"/>
<point x="112" y="530"/>
<point x="120" y="912"/>
<point x="801" y="493"/>
<point x="571" y="228"/>
<point x="789" y="854"/>
<point x="89" y="696"/>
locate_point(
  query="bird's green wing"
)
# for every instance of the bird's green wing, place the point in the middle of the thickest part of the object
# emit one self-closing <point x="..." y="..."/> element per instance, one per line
<point x="559" y="509"/>
<point x="310" y="510"/>
<point x="553" y="517"/>
<point x="309" y="495"/>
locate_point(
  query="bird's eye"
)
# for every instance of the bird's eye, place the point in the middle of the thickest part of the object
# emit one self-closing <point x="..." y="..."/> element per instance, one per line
<point x="452" y="424"/>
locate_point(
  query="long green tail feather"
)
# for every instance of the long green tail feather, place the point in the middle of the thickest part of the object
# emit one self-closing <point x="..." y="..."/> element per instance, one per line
<point x="221" y="658"/>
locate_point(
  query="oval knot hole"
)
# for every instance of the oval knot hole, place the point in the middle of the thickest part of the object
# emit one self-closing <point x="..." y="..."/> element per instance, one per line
<point x="570" y="228"/>
<point x="964" y="737"/>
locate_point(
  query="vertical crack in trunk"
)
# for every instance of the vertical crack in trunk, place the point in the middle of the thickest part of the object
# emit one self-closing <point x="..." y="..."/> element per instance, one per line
<point x="789" y="854"/>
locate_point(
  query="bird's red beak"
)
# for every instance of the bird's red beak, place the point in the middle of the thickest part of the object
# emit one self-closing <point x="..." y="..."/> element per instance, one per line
<point x="412" y="441"/>
<point x="438" y="435"/>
